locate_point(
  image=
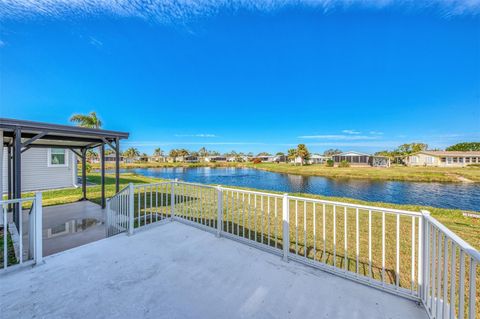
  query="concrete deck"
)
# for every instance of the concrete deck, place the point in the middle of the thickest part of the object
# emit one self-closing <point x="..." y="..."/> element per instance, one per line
<point x="177" y="271"/>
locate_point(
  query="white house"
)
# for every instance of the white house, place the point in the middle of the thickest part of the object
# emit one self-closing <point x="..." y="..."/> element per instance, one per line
<point x="443" y="158"/>
<point x="218" y="158"/>
<point x="318" y="159"/>
<point x="44" y="168"/>
<point x="314" y="159"/>
<point x="188" y="159"/>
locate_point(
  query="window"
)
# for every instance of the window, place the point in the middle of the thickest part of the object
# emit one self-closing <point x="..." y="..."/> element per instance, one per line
<point x="429" y="160"/>
<point x="449" y="160"/>
<point x="57" y="157"/>
<point x="467" y="159"/>
<point x="443" y="159"/>
<point x="414" y="159"/>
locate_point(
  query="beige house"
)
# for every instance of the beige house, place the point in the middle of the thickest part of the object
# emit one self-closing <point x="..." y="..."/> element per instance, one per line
<point x="443" y="158"/>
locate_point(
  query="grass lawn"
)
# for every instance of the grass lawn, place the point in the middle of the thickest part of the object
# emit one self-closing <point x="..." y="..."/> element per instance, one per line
<point x="396" y="173"/>
<point x="466" y="227"/>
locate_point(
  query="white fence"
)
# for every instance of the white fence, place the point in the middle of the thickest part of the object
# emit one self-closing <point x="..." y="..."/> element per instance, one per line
<point x="20" y="247"/>
<point x="393" y="250"/>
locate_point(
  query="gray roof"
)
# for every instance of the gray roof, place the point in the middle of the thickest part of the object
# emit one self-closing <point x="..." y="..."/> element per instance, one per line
<point x="49" y="135"/>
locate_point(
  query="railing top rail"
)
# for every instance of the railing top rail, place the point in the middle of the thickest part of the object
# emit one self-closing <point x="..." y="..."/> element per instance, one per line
<point x="251" y="192"/>
<point x="475" y="254"/>
<point x="119" y="193"/>
<point x="151" y="184"/>
<point x="351" y="205"/>
<point x="16" y="200"/>
<point x="195" y="184"/>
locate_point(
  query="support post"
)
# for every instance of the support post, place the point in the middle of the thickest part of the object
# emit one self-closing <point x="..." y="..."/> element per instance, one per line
<point x="219" y="210"/>
<point x="117" y="165"/>
<point x="423" y="256"/>
<point x="172" y="199"/>
<point x="38" y="228"/>
<point x="9" y="177"/>
<point x="84" y="173"/>
<point x="1" y="165"/>
<point x="131" y="208"/>
<point x="286" y="227"/>
<point x="102" y="177"/>
<point x="17" y="174"/>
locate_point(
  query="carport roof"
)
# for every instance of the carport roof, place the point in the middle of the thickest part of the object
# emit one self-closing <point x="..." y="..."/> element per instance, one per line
<point x="38" y="134"/>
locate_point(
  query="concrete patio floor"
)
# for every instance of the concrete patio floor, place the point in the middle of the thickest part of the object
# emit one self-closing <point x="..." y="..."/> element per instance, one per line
<point x="177" y="271"/>
<point x="68" y="226"/>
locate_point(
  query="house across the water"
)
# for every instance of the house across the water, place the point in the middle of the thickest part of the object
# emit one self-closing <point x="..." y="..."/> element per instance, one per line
<point x="443" y="158"/>
<point x="361" y="159"/>
<point x="218" y="158"/>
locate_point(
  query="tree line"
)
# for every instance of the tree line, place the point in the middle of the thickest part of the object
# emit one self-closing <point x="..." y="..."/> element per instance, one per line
<point x="301" y="152"/>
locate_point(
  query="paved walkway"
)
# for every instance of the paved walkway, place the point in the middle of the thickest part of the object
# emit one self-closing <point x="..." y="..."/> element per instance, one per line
<point x="177" y="271"/>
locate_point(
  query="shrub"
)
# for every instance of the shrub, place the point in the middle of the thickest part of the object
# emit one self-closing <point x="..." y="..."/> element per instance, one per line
<point x="256" y="161"/>
<point x="88" y="167"/>
<point x="344" y="164"/>
<point x="330" y="163"/>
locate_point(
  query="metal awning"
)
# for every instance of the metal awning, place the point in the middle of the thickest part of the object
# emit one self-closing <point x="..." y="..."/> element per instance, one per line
<point x="37" y="134"/>
<point x="18" y="136"/>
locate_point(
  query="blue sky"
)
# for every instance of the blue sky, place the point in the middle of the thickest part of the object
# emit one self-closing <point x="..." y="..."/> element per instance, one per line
<point x="248" y="76"/>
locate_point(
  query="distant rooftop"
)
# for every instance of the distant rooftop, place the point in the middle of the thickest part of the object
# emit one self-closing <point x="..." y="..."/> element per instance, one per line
<point x="451" y="153"/>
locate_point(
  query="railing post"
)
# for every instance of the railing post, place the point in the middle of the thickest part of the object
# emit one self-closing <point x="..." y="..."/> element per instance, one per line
<point x="38" y="228"/>
<point x="286" y="227"/>
<point x="423" y="258"/>
<point x="107" y="216"/>
<point x="131" y="208"/>
<point x="219" y="210"/>
<point x="172" y="199"/>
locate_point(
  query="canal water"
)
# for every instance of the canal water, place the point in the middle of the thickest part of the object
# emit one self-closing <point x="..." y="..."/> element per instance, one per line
<point x="464" y="196"/>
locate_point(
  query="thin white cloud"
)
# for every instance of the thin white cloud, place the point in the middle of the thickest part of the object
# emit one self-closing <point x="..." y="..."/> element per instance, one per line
<point x="95" y="42"/>
<point x="375" y="133"/>
<point x="166" y="143"/>
<point x="352" y="132"/>
<point x="339" y="137"/>
<point x="181" y="10"/>
<point x="196" y="135"/>
<point x="2" y="44"/>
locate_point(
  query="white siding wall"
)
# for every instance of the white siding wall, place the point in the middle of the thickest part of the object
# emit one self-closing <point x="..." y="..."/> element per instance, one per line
<point x="36" y="175"/>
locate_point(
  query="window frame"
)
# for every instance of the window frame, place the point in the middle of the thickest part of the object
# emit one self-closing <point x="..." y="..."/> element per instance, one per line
<point x="49" y="158"/>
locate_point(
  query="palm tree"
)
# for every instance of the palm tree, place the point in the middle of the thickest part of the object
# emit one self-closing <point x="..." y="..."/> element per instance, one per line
<point x="158" y="152"/>
<point x="292" y="154"/>
<point x="203" y="152"/>
<point x="91" y="155"/>
<point x="173" y="154"/>
<point x="131" y="152"/>
<point x="90" y="120"/>
<point x="303" y="153"/>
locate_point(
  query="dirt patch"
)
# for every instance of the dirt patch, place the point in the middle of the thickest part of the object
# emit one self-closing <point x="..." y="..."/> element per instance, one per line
<point x="461" y="178"/>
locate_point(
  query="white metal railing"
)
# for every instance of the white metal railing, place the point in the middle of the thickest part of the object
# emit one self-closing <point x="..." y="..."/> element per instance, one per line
<point x="451" y="273"/>
<point x="19" y="247"/>
<point x="117" y="217"/>
<point x="393" y="250"/>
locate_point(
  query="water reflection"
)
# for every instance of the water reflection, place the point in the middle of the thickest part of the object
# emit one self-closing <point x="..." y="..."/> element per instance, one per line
<point x="447" y="195"/>
<point x="72" y="226"/>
